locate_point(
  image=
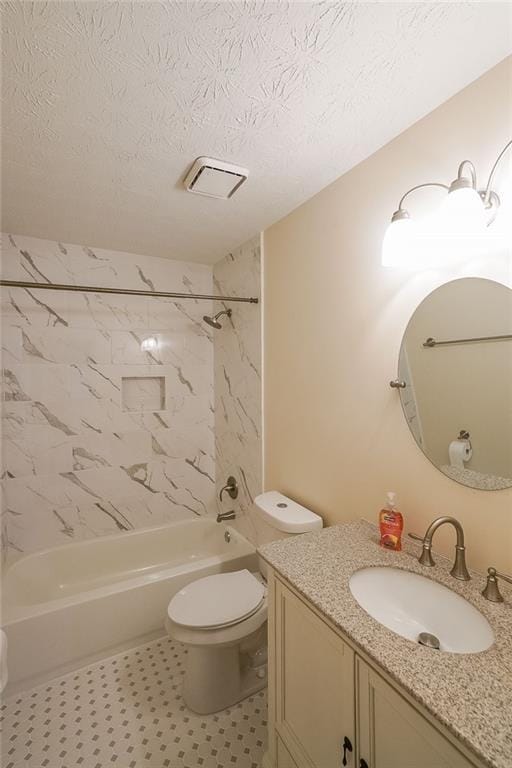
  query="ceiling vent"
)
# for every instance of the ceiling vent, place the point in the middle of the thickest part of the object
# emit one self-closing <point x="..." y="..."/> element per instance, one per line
<point x="215" y="178"/>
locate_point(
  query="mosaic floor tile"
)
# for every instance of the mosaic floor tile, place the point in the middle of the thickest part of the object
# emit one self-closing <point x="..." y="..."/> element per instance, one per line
<point x="127" y="712"/>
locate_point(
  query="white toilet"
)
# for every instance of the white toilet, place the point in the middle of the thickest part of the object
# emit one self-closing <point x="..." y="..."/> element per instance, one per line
<point x="222" y="619"/>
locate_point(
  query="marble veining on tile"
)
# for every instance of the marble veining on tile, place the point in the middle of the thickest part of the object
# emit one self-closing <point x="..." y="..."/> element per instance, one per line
<point x="237" y="363"/>
<point x="76" y="462"/>
<point x="143" y="393"/>
<point x="470" y="694"/>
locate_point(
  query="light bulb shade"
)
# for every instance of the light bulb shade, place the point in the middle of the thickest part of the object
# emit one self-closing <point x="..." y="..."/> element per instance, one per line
<point x="463" y="212"/>
<point x="397" y="243"/>
<point x="456" y="232"/>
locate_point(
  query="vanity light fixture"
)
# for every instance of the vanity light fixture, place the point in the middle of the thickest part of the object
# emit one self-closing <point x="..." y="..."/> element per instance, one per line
<point x="466" y="211"/>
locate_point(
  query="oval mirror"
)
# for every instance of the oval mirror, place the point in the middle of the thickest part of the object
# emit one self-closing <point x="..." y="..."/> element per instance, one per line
<point x="456" y="364"/>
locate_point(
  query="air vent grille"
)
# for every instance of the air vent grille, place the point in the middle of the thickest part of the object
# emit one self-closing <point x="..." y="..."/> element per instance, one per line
<point x="215" y="178"/>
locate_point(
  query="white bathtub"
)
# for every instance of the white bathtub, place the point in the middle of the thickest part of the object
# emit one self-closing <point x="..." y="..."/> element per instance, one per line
<point x="65" y="606"/>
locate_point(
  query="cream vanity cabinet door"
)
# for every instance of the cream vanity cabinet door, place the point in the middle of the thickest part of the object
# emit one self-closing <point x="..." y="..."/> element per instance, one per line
<point x="314" y="694"/>
<point x="392" y="734"/>
<point x="283" y="757"/>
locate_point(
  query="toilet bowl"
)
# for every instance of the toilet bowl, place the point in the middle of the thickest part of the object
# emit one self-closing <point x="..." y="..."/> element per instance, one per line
<point x="222" y="619"/>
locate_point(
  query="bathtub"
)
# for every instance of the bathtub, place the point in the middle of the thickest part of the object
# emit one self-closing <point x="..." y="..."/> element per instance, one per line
<point x="67" y="606"/>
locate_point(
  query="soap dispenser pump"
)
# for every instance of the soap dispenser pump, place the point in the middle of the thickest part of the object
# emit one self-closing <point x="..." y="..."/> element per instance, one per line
<point x="391" y="524"/>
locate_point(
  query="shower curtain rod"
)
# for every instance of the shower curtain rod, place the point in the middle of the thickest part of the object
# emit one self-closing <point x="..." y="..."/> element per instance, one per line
<point x="128" y="291"/>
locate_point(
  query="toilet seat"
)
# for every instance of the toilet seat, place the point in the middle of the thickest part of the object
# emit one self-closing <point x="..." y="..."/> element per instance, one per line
<point x="217" y="601"/>
<point x="220" y="636"/>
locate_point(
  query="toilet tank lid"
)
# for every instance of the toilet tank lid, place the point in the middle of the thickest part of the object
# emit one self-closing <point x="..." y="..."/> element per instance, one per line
<point x="286" y="515"/>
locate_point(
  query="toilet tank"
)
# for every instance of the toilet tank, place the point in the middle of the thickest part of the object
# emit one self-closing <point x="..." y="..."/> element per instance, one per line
<point x="277" y="517"/>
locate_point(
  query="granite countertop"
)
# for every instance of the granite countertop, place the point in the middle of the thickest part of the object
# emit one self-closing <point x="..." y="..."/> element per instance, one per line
<point x="470" y="694"/>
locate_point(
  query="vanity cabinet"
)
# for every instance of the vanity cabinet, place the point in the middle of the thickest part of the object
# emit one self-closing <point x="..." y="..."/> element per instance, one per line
<point x="325" y="699"/>
<point x="391" y="733"/>
<point x="314" y="686"/>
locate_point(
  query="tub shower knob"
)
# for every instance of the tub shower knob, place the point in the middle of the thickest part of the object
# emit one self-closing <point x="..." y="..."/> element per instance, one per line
<point x="231" y="487"/>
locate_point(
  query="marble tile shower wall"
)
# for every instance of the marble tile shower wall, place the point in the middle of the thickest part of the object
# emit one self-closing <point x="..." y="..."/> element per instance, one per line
<point x="98" y="436"/>
<point x="237" y="363"/>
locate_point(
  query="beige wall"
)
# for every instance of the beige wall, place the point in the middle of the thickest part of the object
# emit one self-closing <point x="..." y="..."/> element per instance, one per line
<point x="335" y="437"/>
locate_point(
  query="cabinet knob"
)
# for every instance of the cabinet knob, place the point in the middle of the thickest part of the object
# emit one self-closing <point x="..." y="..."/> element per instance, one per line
<point x="363" y="764"/>
<point x="347" y="747"/>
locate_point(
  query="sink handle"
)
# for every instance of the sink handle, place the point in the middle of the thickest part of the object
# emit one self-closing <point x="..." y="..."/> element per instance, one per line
<point x="491" y="590"/>
<point x="426" y="555"/>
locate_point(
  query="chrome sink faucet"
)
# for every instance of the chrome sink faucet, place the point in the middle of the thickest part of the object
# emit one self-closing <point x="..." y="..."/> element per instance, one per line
<point x="459" y="570"/>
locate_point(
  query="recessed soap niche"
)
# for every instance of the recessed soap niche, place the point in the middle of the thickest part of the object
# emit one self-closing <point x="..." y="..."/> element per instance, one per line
<point x="143" y="393"/>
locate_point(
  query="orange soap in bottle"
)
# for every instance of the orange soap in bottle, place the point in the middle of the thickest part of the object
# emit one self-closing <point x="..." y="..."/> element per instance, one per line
<point x="391" y="524"/>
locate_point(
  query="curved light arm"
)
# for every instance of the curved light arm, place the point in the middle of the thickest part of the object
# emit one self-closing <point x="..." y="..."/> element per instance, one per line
<point x="489" y="197"/>
<point x="420" y="186"/>
<point x="488" y="193"/>
<point x="472" y="171"/>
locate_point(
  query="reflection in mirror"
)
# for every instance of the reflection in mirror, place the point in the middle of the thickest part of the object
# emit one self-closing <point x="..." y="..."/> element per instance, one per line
<point x="456" y="361"/>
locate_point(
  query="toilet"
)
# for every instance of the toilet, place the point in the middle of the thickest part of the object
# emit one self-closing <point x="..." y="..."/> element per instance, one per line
<point x="222" y="619"/>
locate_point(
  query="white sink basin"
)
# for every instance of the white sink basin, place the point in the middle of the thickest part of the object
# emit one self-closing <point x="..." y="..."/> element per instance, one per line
<point x="410" y="604"/>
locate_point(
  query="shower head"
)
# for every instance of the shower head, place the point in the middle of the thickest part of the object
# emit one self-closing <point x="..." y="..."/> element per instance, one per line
<point x="214" y="321"/>
<point x="211" y="321"/>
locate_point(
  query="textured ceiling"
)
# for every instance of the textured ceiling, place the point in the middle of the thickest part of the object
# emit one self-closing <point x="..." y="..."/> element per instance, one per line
<point x="107" y="104"/>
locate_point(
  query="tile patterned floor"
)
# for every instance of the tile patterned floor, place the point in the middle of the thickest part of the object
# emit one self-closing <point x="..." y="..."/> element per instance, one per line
<point x="127" y="712"/>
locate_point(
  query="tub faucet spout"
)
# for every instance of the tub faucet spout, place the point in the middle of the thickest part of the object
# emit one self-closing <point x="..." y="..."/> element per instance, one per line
<point x="226" y="516"/>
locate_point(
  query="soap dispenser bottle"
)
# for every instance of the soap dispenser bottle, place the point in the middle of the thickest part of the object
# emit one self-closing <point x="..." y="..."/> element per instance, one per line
<point x="391" y="525"/>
